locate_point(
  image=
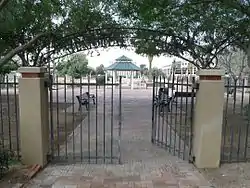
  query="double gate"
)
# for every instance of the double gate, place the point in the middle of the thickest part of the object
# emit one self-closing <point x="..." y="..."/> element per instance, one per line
<point x="172" y="115"/>
<point x="85" y="120"/>
<point x="86" y="117"/>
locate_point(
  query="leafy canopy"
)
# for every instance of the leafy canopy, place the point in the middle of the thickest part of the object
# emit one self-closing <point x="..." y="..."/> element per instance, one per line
<point x="76" y="66"/>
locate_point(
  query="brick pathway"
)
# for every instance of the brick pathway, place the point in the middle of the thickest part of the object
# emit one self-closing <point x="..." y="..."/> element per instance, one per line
<point x="143" y="164"/>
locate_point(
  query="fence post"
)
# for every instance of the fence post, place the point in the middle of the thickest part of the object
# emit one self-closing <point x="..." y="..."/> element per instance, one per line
<point x="34" y="121"/>
<point x="208" y="117"/>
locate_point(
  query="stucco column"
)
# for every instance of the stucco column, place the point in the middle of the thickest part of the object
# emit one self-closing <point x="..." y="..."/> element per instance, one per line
<point x="208" y="116"/>
<point x="34" y="121"/>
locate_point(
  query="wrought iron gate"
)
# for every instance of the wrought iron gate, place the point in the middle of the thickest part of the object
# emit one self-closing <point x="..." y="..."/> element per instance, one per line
<point x="85" y="120"/>
<point x="172" y="114"/>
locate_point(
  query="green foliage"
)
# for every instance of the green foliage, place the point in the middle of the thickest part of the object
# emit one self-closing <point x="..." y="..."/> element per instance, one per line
<point x="76" y="66"/>
<point x="66" y="27"/>
<point x="5" y="160"/>
<point x="7" y="68"/>
<point x="41" y="31"/>
<point x="157" y="72"/>
<point x="21" y="21"/>
<point x="100" y="80"/>
<point x="100" y="70"/>
<point x="186" y="32"/>
<point x="234" y="62"/>
<point x="144" y="69"/>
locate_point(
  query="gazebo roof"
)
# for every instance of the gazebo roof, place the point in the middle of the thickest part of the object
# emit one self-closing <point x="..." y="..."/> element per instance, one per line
<point x="123" y="63"/>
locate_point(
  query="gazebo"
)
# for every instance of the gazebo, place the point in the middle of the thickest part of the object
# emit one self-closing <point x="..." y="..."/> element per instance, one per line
<point x="123" y="66"/>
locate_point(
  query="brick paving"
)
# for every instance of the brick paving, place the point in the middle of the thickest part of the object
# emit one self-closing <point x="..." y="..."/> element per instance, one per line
<point x="143" y="164"/>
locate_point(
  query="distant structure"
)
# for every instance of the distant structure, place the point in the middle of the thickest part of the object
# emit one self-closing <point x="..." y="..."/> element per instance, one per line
<point x="124" y="67"/>
<point x="180" y="69"/>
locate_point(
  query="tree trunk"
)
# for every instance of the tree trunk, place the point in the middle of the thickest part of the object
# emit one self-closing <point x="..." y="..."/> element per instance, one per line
<point x="150" y="59"/>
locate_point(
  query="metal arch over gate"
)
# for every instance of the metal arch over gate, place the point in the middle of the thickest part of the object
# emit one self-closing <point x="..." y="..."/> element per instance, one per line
<point x="85" y="120"/>
<point x="172" y="115"/>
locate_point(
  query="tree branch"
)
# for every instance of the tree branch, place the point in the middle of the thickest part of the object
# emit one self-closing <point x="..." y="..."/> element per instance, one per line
<point x="3" y="3"/>
<point x="19" y="49"/>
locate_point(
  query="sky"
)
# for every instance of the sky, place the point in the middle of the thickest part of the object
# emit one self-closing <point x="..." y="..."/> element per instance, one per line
<point x="107" y="57"/>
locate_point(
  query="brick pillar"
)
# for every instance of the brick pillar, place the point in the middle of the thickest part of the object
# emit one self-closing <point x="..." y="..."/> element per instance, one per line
<point x="34" y="122"/>
<point x="208" y="116"/>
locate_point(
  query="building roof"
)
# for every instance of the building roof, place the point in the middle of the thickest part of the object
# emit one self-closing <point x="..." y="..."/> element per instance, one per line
<point x="123" y="63"/>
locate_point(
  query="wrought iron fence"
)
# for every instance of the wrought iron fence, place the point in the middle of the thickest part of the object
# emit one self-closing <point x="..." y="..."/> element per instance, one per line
<point x="85" y="120"/>
<point x="172" y="114"/>
<point x="235" y="132"/>
<point x="9" y="122"/>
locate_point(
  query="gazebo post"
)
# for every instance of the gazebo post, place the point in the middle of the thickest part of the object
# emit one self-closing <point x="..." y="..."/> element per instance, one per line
<point x="132" y="80"/>
<point x="106" y="77"/>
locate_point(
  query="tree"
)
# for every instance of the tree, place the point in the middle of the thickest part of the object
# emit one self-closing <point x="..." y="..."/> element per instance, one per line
<point x="157" y="72"/>
<point x="100" y="70"/>
<point x="26" y="26"/>
<point x="144" y="69"/>
<point x="234" y="61"/>
<point x="76" y="66"/>
<point x="41" y="31"/>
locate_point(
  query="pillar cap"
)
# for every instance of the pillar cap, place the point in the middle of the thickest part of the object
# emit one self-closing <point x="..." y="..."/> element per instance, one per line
<point x="211" y="72"/>
<point x="32" y="70"/>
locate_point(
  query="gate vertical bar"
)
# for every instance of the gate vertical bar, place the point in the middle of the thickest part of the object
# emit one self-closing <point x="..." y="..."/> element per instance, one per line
<point x="180" y="123"/>
<point x="239" y="127"/>
<point x="191" y="120"/>
<point x="89" y="146"/>
<point x="81" y="114"/>
<point x="153" y="111"/>
<point x="175" y="115"/>
<point x="17" y="122"/>
<point x="232" y="134"/>
<point x="112" y="118"/>
<point x="96" y="121"/>
<point x="73" y="117"/>
<point x="104" y="123"/>
<point x="224" y="126"/>
<point x="57" y="118"/>
<point x="8" y="112"/>
<point x="65" y="118"/>
<point x="167" y="113"/>
<point x="186" y="120"/>
<point x="159" y="111"/>
<point x="163" y="115"/>
<point x="51" y="117"/>
<point x="120" y="118"/>
<point x="1" y="115"/>
<point x="171" y="117"/>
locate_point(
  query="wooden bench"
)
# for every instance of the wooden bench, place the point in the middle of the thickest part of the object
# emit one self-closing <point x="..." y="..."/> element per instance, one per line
<point x="163" y="99"/>
<point x="185" y="94"/>
<point x="84" y="100"/>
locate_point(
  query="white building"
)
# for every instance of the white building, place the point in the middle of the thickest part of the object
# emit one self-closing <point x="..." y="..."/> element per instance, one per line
<point x="180" y="69"/>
